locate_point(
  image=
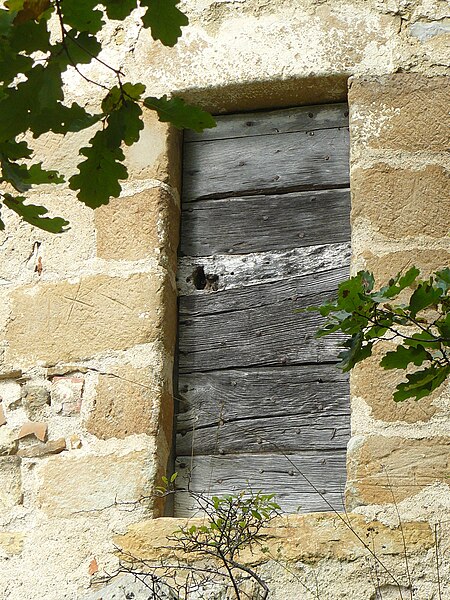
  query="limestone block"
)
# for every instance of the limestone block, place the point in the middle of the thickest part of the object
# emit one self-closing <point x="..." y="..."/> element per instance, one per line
<point x="8" y="441"/>
<point x="381" y="468"/>
<point x="126" y="402"/>
<point x="88" y="483"/>
<point x="377" y="385"/>
<point x="403" y="111"/>
<point x="35" y="400"/>
<point x="67" y="395"/>
<point x="157" y="153"/>
<point x="43" y="449"/>
<point x="309" y="538"/>
<point x="11" y="486"/>
<point x="138" y="226"/>
<point x="401" y="203"/>
<point x="385" y="266"/>
<point x="65" y="321"/>
<point x="11" y="542"/>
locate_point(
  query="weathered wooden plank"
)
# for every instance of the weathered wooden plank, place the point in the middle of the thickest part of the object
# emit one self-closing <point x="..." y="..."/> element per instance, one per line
<point x="306" y="118"/>
<point x="263" y="223"/>
<point x="218" y="475"/>
<point x="298" y="292"/>
<point x="260" y="164"/>
<point x="205" y="399"/>
<point x="235" y="271"/>
<point x="292" y="433"/>
<point x="268" y="335"/>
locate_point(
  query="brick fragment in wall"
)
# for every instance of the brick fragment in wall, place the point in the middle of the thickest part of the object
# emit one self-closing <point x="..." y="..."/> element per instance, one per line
<point x="35" y="400"/>
<point x="43" y="449"/>
<point x="33" y="428"/>
<point x="70" y="484"/>
<point x="400" y="203"/>
<point x="97" y="314"/>
<point x="3" y="420"/>
<point x="11" y="482"/>
<point x="381" y="468"/>
<point x="67" y="395"/>
<point x="377" y="385"/>
<point x="127" y="402"/>
<point x="403" y="111"/>
<point x="138" y="226"/>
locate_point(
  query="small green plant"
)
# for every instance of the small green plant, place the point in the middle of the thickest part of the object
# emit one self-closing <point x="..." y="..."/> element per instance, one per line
<point x="228" y="525"/>
<point x="420" y="327"/>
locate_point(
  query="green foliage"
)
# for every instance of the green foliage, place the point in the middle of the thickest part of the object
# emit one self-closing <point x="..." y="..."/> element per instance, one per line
<point x="421" y="328"/>
<point x="32" y="64"/>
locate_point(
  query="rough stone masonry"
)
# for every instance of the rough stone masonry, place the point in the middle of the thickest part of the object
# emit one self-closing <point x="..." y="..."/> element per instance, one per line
<point x="88" y="338"/>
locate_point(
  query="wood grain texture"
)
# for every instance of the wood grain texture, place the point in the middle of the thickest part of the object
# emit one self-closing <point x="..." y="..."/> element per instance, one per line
<point x="257" y="165"/>
<point x="245" y="394"/>
<point x="270" y="473"/>
<point x="235" y="271"/>
<point x="265" y="217"/>
<point x="257" y="325"/>
<point x="289" y="120"/>
<point x="265" y="223"/>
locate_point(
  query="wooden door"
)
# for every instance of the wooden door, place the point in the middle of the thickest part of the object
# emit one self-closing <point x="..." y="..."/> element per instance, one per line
<point x="265" y="231"/>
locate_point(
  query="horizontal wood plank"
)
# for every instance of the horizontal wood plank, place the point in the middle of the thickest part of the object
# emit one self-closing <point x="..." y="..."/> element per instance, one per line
<point x="207" y="399"/>
<point x="234" y="271"/>
<point x="265" y="223"/>
<point x="291" y="433"/>
<point x="306" y="118"/>
<point x="213" y="475"/>
<point x="257" y="325"/>
<point x="261" y="164"/>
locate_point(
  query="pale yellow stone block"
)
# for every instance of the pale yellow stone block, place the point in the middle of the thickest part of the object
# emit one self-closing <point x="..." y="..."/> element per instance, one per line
<point x="72" y="484"/>
<point x="382" y="469"/>
<point x="400" y="203"/>
<point x="139" y="226"/>
<point x="65" y="321"/>
<point x="403" y="111"/>
<point x="11" y="482"/>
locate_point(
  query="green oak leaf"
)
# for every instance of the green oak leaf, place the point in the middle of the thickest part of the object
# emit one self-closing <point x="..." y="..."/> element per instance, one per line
<point x="351" y="293"/>
<point x="424" y="295"/>
<point x="180" y="114"/>
<point x="402" y="357"/>
<point x="119" y="9"/>
<point x="423" y="338"/>
<point x="396" y="285"/>
<point x="443" y="279"/>
<point x="357" y="351"/>
<point x="116" y="96"/>
<point x="27" y="10"/>
<point x="125" y="124"/>
<point x="62" y="119"/>
<point x="79" y="48"/>
<point x="14" y="150"/>
<point x="421" y="383"/>
<point x="30" y="37"/>
<point x="99" y="175"/>
<point x="35" y="214"/>
<point x="22" y="177"/>
<point x="443" y="326"/>
<point x="82" y="15"/>
<point x="164" y="19"/>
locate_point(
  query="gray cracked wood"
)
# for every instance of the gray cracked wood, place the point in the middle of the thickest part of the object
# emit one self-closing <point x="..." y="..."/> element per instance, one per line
<point x="269" y="473"/>
<point x="265" y="223"/>
<point x="286" y="162"/>
<point x="265" y="231"/>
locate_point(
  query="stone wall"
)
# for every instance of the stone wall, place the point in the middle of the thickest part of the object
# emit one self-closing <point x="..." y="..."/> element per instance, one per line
<point x="89" y="318"/>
